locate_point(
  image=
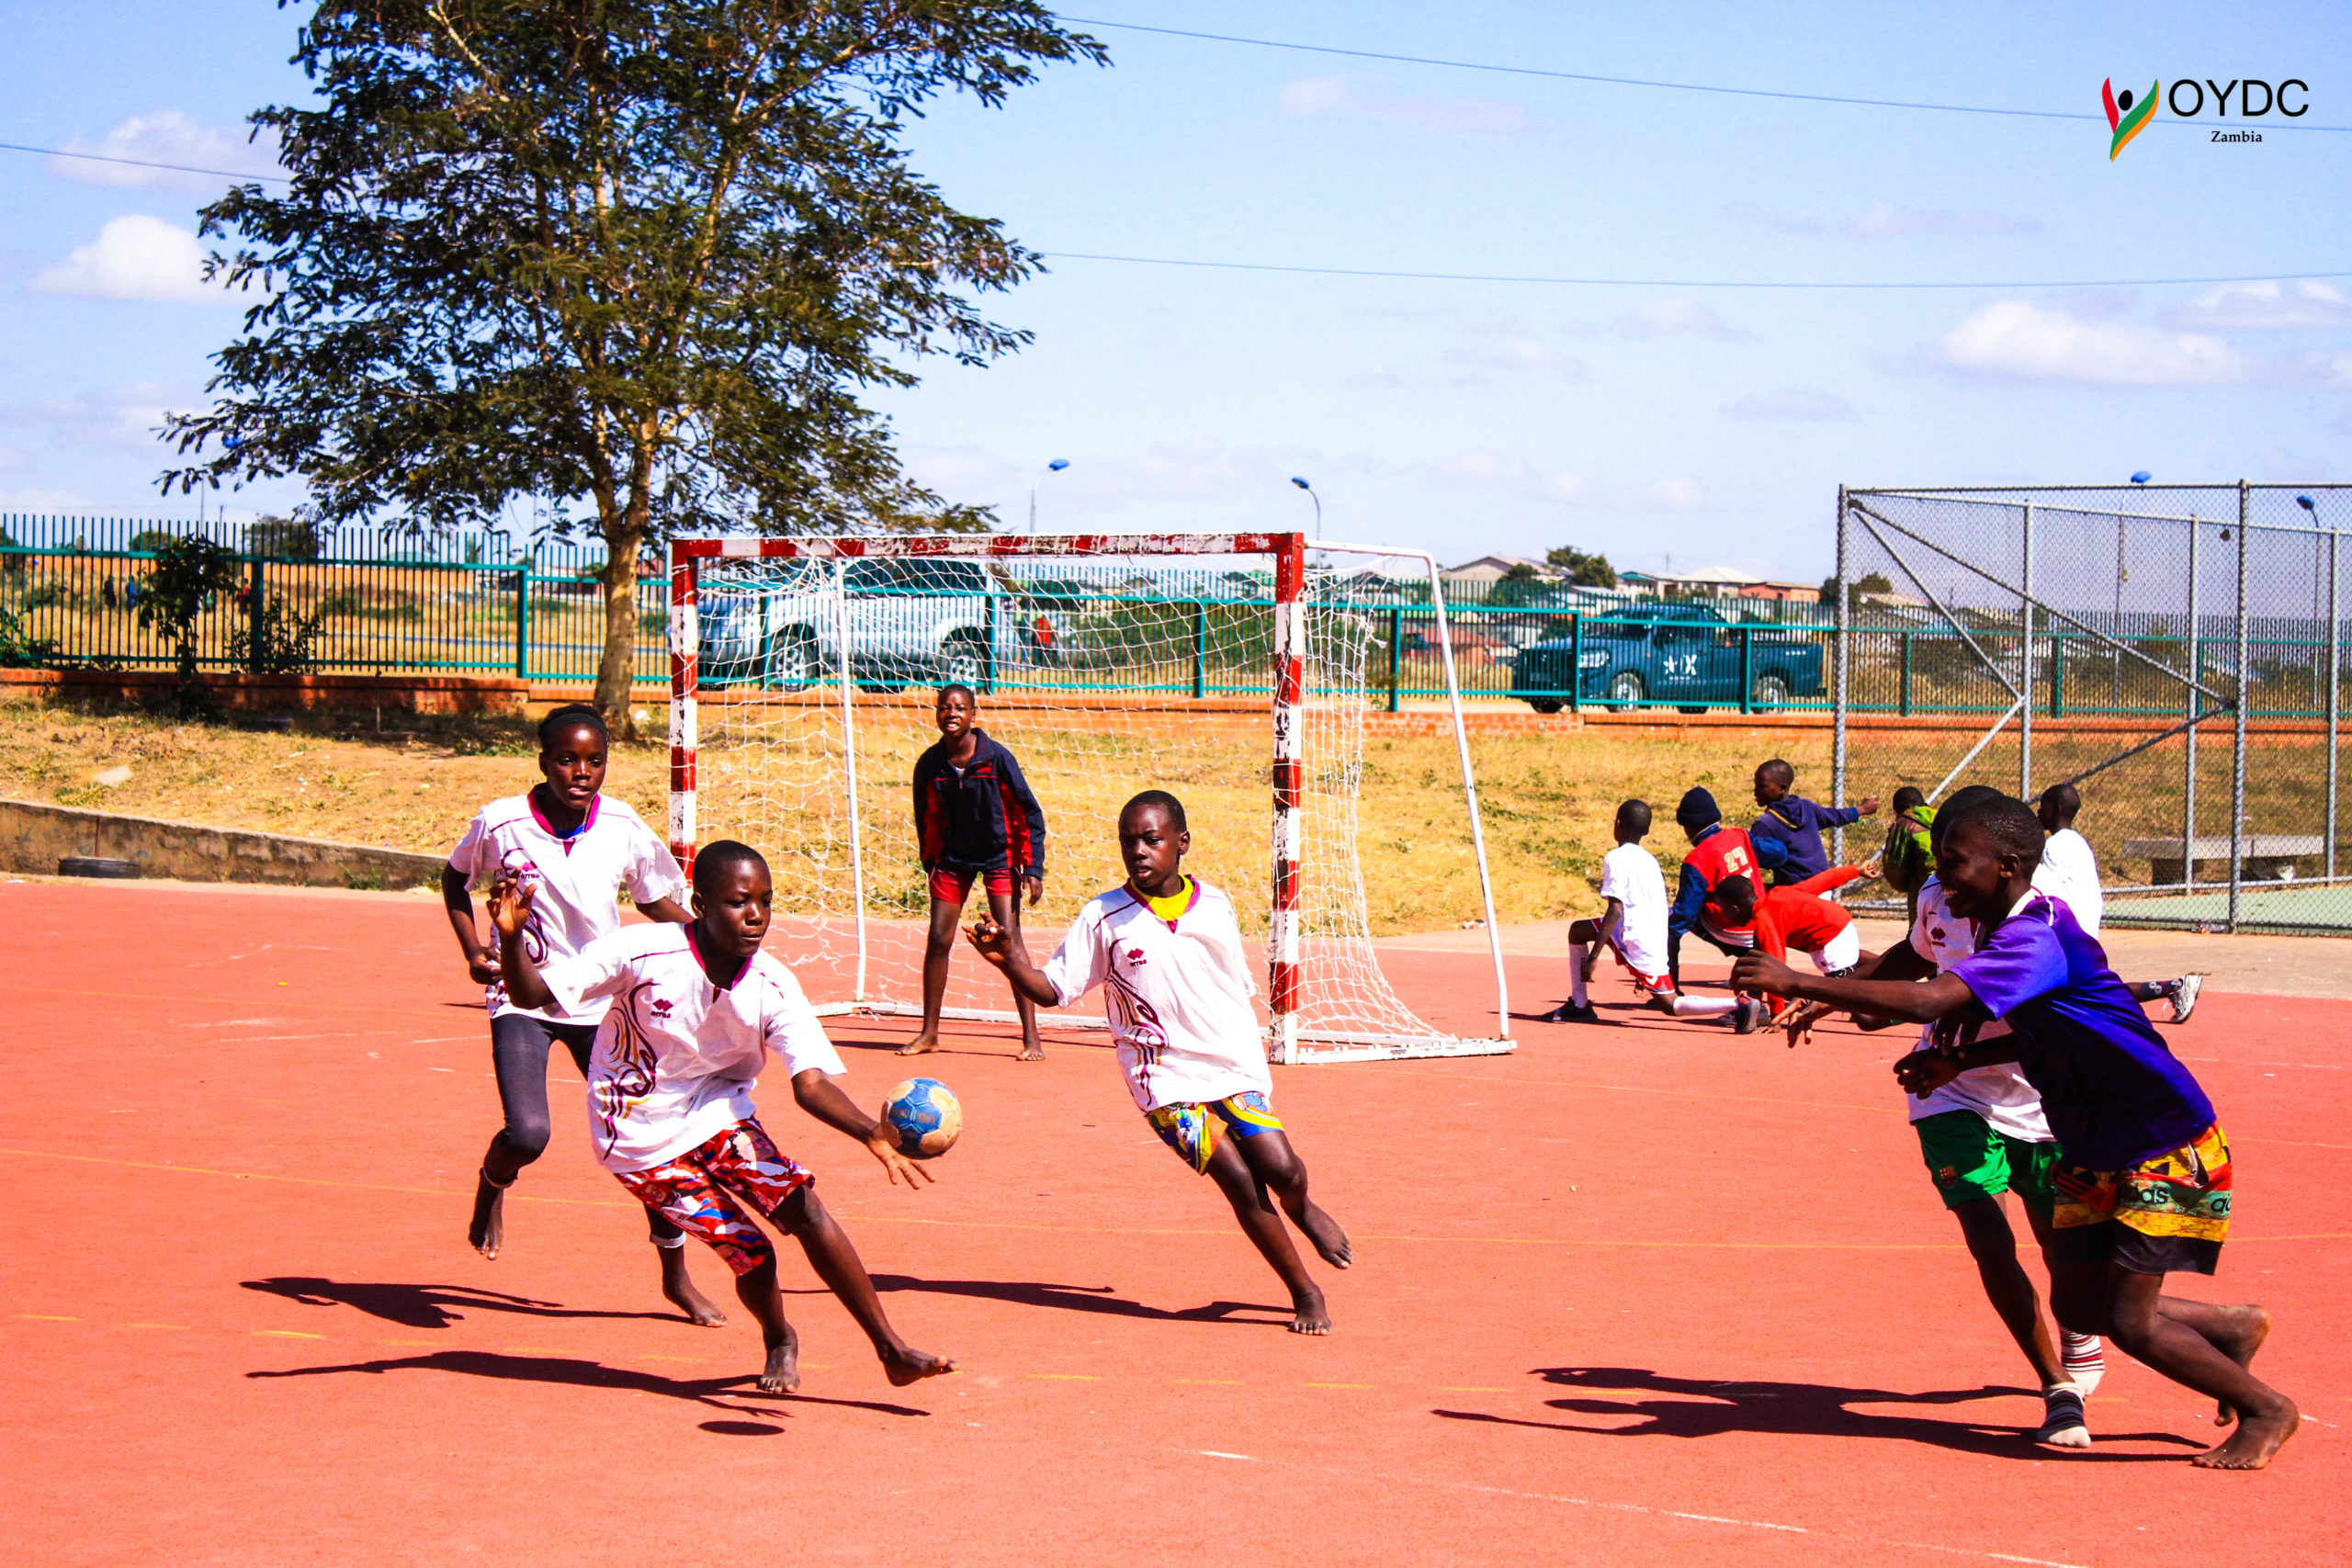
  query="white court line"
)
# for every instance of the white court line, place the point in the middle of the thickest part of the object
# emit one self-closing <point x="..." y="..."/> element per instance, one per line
<point x="1658" y="1513"/>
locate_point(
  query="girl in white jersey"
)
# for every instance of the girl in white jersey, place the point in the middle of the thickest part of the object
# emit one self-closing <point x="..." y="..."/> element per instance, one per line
<point x="1166" y="951"/>
<point x="575" y="847"/>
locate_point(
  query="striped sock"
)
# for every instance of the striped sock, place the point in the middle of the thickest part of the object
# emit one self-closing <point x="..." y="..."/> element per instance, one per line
<point x="2083" y="1359"/>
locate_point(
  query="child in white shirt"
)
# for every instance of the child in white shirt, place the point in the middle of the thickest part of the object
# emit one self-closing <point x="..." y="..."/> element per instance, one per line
<point x="1632" y="922"/>
<point x="694" y="1011"/>
<point x="577" y="846"/>
<point x="1166" y="951"/>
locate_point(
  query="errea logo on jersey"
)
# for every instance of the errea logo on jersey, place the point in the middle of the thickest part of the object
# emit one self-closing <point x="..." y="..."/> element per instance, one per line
<point x="2127" y="115"/>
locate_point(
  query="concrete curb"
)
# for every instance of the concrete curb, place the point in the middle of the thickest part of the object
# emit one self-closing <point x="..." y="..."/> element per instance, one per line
<point x="34" y="837"/>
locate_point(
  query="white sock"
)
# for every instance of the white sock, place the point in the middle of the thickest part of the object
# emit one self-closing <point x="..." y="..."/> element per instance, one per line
<point x="1578" y="958"/>
<point x="1703" y="1007"/>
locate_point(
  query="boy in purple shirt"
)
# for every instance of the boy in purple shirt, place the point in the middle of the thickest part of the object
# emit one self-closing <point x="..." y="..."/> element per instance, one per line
<point x="2143" y="1176"/>
<point x="1794" y="824"/>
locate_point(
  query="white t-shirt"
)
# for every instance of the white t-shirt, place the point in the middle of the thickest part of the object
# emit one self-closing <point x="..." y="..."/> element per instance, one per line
<point x="1629" y="874"/>
<point x="1177" y="994"/>
<point x="676" y="1056"/>
<point x="2069" y="872"/>
<point x="1998" y="1093"/>
<point x="577" y="879"/>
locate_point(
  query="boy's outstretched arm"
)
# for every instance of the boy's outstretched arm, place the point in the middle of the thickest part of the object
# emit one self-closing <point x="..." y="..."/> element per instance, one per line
<point x="510" y="912"/>
<point x="822" y="1098"/>
<point x="1917" y="1001"/>
<point x="993" y="943"/>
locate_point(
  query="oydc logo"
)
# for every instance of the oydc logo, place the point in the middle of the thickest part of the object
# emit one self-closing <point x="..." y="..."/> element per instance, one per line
<point x="2126" y="119"/>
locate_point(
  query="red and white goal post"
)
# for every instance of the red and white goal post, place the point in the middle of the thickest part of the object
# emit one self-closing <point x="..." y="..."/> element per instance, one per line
<point x="802" y="672"/>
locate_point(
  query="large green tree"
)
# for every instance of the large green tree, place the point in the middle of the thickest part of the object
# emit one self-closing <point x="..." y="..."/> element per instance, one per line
<point x="640" y="258"/>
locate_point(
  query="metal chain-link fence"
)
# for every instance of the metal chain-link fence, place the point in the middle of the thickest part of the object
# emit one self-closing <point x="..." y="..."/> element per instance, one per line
<point x="2175" y="652"/>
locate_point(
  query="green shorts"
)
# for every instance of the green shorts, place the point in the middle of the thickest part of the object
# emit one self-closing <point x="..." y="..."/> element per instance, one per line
<point x="1968" y="1159"/>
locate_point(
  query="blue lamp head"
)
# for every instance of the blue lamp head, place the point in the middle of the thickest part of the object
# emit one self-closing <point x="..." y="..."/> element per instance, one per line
<point x="2143" y="477"/>
<point x="1300" y="483"/>
<point x="2305" y="502"/>
<point x="1058" y="465"/>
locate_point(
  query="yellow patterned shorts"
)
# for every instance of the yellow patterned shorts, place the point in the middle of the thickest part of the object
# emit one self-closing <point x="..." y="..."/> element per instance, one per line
<point x="2168" y="1213"/>
<point x="1191" y="1130"/>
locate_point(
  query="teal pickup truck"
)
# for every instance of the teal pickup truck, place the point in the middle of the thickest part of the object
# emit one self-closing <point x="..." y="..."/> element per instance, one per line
<point x="1686" y="656"/>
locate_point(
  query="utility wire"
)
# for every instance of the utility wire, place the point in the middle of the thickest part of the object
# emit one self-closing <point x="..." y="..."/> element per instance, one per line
<point x="1420" y="276"/>
<point x="141" y="162"/>
<point x="1682" y="282"/>
<point x="1626" y="81"/>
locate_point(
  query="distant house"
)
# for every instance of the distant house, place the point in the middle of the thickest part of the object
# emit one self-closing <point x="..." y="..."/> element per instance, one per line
<point x="1494" y="569"/>
<point x="1707" y="582"/>
<point x="1783" y="592"/>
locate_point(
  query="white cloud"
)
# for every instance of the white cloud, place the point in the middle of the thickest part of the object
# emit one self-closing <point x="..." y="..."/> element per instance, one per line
<point x="1885" y="221"/>
<point x="1487" y="468"/>
<point x="1513" y="348"/>
<point x="1361" y="95"/>
<point x="2268" y="306"/>
<point x="2023" y="342"/>
<point x="166" y="136"/>
<point x="1790" y="402"/>
<point x="39" y="500"/>
<point x="126" y="418"/>
<point x="1677" y="318"/>
<point x="134" y="257"/>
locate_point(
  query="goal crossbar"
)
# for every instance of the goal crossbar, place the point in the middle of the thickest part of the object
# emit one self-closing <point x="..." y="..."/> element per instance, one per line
<point x="1286" y="713"/>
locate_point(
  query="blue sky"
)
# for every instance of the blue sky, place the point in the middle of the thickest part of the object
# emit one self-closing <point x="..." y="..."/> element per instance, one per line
<point x="1662" y="424"/>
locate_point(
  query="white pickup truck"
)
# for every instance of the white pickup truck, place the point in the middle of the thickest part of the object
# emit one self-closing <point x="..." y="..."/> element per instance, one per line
<point x="907" y="621"/>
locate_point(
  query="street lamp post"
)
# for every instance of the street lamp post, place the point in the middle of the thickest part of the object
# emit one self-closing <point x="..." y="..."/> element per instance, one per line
<point x="2335" y="677"/>
<point x="1055" y="467"/>
<point x="1315" y="499"/>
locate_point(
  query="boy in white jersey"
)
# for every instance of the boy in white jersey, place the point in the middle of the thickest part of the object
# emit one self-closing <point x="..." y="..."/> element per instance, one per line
<point x="1632" y="922"/>
<point x="577" y="847"/>
<point x="1166" y="951"/>
<point x="694" y="1010"/>
<point x="2069" y="872"/>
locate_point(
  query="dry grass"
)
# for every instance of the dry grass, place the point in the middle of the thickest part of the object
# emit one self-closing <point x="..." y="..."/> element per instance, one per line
<point x="1547" y="801"/>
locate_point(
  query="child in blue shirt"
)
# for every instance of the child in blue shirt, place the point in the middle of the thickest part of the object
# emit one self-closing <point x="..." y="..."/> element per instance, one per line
<point x="1795" y="823"/>
<point x="2143" y="1178"/>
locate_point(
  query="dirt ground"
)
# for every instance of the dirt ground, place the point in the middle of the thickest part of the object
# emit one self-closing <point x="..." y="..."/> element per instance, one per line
<point x="1547" y="800"/>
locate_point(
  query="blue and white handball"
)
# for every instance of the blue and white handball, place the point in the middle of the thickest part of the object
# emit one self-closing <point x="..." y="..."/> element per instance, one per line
<point x="925" y="1117"/>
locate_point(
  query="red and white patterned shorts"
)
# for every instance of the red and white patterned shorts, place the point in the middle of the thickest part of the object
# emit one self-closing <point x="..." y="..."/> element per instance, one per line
<point x="691" y="1190"/>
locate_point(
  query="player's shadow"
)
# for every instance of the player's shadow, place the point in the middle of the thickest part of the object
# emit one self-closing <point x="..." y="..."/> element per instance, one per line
<point x="1079" y="1298"/>
<point x="575" y="1372"/>
<point x="1699" y="1407"/>
<point x="420" y="1306"/>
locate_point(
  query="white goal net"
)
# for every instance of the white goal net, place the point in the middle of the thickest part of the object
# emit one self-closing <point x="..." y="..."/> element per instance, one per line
<point x="1236" y="671"/>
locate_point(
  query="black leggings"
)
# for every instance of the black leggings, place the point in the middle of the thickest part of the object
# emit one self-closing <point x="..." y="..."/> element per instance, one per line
<point x="519" y="1047"/>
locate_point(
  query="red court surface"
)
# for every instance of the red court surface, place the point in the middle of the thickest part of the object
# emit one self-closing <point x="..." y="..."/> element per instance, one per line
<point x="1645" y="1294"/>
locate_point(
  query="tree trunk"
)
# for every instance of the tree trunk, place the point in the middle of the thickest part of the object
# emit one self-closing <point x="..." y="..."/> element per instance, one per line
<point x="617" y="670"/>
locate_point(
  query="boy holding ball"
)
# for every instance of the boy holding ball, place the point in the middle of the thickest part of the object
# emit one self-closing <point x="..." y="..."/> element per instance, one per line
<point x="1166" y="951"/>
<point x="694" y="1010"/>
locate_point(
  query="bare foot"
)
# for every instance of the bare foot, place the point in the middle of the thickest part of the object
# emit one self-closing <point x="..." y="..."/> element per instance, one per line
<point x="782" y="1374"/>
<point x="487" y="1234"/>
<point x="1330" y="1240"/>
<point x="906" y="1365"/>
<point x="920" y="1045"/>
<point x="2257" y="1438"/>
<point x="679" y="1290"/>
<point x="2249" y="1326"/>
<point x="1032" y="1051"/>
<point x="1309" y="1314"/>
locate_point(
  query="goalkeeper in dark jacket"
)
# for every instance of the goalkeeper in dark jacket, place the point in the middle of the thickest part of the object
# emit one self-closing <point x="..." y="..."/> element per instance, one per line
<point x="976" y="820"/>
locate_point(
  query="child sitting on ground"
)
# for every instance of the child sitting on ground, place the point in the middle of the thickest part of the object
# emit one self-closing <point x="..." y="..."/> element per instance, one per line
<point x="1794" y="824"/>
<point x="1632" y="921"/>
<point x="2143" y="1176"/>
<point x="694" y="1010"/>
<point x="1166" y="951"/>
<point x="1801" y="917"/>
